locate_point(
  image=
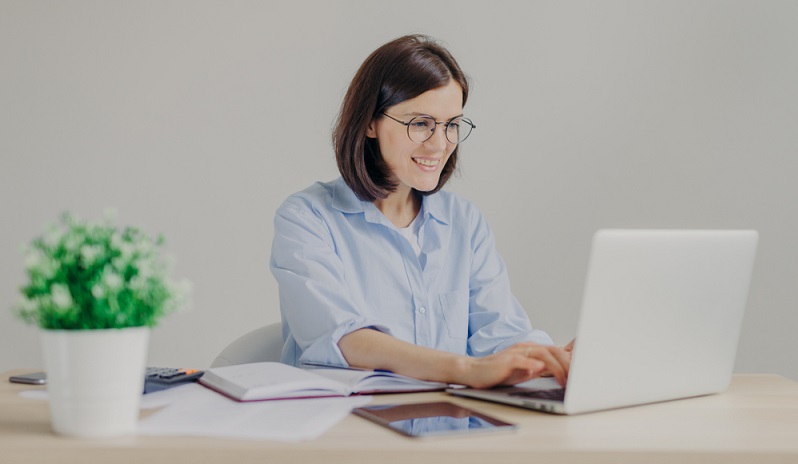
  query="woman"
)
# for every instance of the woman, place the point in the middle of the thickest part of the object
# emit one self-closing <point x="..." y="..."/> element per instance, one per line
<point x="381" y="269"/>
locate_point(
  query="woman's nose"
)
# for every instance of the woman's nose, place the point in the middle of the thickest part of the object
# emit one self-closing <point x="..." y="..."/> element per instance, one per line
<point x="438" y="141"/>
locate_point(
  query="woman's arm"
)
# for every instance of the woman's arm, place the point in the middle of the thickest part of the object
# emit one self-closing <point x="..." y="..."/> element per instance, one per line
<point x="496" y="320"/>
<point x="314" y="300"/>
<point x="371" y="349"/>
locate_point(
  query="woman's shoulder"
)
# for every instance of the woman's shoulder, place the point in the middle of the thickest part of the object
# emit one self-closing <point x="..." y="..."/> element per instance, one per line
<point x="453" y="205"/>
<point x="324" y="201"/>
<point x="314" y="197"/>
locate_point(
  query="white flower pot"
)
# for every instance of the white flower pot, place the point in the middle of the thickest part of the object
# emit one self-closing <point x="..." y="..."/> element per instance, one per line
<point x="95" y="379"/>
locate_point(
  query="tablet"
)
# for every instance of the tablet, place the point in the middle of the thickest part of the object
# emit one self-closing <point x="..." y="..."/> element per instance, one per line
<point x="432" y="419"/>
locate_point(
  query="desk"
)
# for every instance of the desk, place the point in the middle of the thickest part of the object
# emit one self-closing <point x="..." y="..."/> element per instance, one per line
<point x="755" y="421"/>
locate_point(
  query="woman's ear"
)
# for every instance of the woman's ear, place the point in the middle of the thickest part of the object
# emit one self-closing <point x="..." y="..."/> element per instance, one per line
<point x="371" y="131"/>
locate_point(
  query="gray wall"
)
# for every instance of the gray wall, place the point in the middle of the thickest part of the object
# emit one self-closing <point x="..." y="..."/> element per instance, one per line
<point x="196" y="119"/>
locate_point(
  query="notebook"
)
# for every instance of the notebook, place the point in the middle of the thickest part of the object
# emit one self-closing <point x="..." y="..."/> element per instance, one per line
<point x="660" y="320"/>
<point x="276" y="381"/>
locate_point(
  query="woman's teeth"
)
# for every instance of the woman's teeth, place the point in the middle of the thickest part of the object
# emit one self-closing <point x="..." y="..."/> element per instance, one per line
<point x="427" y="163"/>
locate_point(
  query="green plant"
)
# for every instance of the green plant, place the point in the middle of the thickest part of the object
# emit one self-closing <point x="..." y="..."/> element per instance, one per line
<point x="93" y="275"/>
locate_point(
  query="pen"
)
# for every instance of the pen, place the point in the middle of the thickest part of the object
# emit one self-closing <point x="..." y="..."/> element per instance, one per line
<point x="330" y="366"/>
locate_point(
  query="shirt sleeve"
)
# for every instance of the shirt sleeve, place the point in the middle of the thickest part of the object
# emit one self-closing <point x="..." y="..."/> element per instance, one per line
<point x="314" y="299"/>
<point x="496" y="318"/>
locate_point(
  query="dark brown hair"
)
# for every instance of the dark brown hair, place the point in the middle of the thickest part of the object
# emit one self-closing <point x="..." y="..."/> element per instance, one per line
<point x="400" y="70"/>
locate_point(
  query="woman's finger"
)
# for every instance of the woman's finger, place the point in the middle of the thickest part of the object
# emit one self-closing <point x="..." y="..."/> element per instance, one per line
<point x="554" y="364"/>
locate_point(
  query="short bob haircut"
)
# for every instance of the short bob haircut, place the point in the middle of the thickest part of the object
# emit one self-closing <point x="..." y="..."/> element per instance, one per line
<point x="397" y="71"/>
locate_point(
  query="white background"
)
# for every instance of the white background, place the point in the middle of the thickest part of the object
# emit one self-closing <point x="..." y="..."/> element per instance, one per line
<point x="196" y="119"/>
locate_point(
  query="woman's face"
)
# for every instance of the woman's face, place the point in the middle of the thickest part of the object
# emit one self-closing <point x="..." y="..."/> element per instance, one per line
<point x="418" y="165"/>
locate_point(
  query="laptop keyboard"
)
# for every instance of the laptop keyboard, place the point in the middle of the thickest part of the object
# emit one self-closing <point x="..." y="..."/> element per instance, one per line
<point x="556" y="394"/>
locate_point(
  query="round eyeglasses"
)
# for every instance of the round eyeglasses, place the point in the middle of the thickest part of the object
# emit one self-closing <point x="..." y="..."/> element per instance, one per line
<point x="421" y="128"/>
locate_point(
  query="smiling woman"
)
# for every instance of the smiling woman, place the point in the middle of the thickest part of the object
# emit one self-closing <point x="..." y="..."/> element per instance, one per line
<point x="395" y="74"/>
<point x="416" y="156"/>
<point x="381" y="268"/>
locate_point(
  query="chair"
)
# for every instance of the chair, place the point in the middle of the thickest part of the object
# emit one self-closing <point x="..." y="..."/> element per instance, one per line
<point x="262" y="344"/>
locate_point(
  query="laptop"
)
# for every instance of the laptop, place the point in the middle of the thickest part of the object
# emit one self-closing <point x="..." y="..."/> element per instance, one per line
<point x="660" y="320"/>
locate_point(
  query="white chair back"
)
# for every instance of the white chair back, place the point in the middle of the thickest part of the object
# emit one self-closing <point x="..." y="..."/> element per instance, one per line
<point x="262" y="344"/>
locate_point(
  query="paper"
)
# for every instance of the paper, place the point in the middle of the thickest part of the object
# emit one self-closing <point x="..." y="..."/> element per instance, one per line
<point x="149" y="401"/>
<point x="203" y="412"/>
<point x="165" y="397"/>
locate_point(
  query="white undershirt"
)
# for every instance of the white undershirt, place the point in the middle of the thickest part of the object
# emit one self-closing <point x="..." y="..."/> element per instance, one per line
<point x="411" y="234"/>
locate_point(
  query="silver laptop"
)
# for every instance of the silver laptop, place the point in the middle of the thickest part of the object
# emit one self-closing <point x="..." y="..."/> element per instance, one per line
<point x="660" y="320"/>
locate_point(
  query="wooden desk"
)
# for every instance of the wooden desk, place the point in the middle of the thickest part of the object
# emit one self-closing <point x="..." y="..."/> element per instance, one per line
<point x="755" y="421"/>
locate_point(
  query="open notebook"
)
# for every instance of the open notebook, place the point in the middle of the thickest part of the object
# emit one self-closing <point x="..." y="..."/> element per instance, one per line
<point x="274" y="381"/>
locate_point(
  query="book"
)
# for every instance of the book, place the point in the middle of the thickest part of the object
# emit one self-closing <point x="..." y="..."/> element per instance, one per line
<point x="275" y="381"/>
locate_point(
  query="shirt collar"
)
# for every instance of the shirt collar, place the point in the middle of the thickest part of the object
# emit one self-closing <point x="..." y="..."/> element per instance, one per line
<point x="435" y="206"/>
<point x="345" y="200"/>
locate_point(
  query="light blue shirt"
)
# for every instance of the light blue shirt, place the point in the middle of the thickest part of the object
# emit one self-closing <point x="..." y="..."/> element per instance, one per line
<point x="341" y="265"/>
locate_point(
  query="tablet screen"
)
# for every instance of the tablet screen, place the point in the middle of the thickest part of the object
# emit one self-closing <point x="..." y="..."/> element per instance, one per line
<point x="427" y="419"/>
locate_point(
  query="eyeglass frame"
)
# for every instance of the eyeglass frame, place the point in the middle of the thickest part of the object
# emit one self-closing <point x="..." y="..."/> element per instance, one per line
<point x="445" y="128"/>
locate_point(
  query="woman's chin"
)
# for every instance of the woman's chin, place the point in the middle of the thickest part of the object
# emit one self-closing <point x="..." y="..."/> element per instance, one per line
<point x="425" y="188"/>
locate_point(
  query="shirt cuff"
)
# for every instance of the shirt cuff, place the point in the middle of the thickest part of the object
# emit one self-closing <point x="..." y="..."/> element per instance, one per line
<point x="325" y="351"/>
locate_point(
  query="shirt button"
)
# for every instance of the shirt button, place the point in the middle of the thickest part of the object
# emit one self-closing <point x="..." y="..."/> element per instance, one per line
<point x="422" y="310"/>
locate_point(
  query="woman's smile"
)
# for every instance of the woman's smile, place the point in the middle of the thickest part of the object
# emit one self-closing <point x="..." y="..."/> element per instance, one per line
<point x="428" y="164"/>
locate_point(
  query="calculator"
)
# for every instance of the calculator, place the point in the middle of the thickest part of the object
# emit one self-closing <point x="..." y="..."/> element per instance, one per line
<point x="161" y="378"/>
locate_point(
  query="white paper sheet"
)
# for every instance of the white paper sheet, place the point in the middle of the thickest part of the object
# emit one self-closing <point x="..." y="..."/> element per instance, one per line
<point x="149" y="401"/>
<point x="203" y="412"/>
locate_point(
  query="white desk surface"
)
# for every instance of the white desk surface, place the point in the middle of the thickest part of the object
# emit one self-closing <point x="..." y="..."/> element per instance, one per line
<point x="755" y="421"/>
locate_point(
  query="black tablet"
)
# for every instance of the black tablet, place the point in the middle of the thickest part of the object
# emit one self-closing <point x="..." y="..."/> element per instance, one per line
<point x="432" y="419"/>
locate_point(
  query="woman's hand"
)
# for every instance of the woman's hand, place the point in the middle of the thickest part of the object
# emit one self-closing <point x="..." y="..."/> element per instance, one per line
<point x="370" y="349"/>
<point x="569" y="348"/>
<point x="518" y="363"/>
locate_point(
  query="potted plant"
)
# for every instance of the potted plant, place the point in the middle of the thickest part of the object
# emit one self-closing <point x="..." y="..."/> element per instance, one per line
<point x="95" y="290"/>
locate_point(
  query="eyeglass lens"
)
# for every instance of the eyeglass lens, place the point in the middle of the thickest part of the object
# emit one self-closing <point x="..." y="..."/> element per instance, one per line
<point x="421" y="128"/>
